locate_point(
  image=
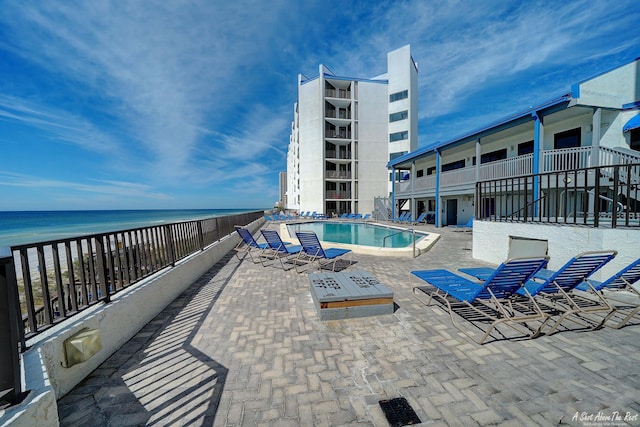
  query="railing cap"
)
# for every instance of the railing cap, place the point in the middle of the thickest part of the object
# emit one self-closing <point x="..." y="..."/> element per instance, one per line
<point x="5" y="252"/>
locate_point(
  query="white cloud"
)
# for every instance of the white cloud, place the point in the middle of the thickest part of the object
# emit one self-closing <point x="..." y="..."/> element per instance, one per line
<point x="110" y="188"/>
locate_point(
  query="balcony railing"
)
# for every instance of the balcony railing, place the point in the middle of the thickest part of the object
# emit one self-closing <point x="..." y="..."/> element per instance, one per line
<point x="566" y="159"/>
<point x="337" y="194"/>
<point x="338" y="114"/>
<point x="333" y="174"/>
<point x="337" y="154"/>
<point x="337" y="134"/>
<point x="338" y="93"/>
<point x="515" y="166"/>
<point x="592" y="197"/>
<point x="61" y="278"/>
<point x="458" y="177"/>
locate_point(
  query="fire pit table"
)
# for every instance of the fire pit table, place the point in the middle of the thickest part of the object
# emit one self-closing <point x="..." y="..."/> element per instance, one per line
<point x="348" y="294"/>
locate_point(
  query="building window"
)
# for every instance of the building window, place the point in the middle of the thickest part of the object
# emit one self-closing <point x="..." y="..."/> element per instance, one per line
<point x="634" y="139"/>
<point x="395" y="155"/>
<point x="525" y="148"/>
<point x="398" y="96"/>
<point x="431" y="170"/>
<point x="567" y="139"/>
<point x="402" y="115"/>
<point x="493" y="156"/>
<point x="453" y="165"/>
<point x="399" y="136"/>
<point x="420" y="173"/>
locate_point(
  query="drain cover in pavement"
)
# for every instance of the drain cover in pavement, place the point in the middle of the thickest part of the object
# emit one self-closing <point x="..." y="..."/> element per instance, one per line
<point x="399" y="412"/>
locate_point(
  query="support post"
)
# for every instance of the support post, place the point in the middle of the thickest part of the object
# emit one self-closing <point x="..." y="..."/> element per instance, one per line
<point x="10" y="385"/>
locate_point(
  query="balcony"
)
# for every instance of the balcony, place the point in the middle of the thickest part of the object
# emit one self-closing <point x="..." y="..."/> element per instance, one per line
<point x="551" y="160"/>
<point x="338" y="114"/>
<point x="334" y="174"/>
<point x="337" y="154"/>
<point x="337" y="93"/>
<point x="337" y="194"/>
<point x="342" y="134"/>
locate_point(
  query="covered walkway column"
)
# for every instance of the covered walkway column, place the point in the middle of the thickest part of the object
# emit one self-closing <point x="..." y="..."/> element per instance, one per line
<point x="595" y="137"/>
<point x="438" y="200"/>
<point x="538" y="167"/>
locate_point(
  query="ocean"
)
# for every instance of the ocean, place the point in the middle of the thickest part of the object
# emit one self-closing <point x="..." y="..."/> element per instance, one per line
<point x="24" y="227"/>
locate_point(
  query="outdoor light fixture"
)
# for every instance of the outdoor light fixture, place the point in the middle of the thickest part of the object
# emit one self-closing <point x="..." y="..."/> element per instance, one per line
<point x="81" y="346"/>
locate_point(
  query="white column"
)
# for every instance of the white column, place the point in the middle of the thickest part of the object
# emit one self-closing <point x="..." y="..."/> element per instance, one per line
<point x="595" y="137"/>
<point x="478" y="156"/>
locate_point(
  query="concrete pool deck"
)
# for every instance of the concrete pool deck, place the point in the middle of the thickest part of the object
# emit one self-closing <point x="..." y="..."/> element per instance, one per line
<point x="244" y="347"/>
<point x="422" y="245"/>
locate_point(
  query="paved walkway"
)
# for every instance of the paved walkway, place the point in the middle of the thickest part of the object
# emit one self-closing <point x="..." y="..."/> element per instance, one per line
<point x="244" y="346"/>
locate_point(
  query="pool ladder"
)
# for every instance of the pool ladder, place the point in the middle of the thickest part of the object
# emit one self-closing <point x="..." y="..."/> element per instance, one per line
<point x="413" y="232"/>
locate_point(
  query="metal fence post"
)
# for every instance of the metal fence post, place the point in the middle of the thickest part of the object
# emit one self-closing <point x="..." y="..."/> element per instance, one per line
<point x="10" y="385"/>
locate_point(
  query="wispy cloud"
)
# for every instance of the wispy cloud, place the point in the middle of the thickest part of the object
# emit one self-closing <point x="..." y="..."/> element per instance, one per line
<point x="110" y="188"/>
<point x="163" y="69"/>
<point x="58" y="124"/>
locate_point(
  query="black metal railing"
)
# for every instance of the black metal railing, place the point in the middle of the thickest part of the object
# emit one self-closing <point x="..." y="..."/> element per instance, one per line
<point x="605" y="196"/>
<point x="58" y="279"/>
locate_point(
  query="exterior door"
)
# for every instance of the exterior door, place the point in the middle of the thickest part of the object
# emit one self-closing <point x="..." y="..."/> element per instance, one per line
<point x="452" y="212"/>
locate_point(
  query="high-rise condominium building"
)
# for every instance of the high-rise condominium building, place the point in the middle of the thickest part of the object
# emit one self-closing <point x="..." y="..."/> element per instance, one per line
<point x="345" y="131"/>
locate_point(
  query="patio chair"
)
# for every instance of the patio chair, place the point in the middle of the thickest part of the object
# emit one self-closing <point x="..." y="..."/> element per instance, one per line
<point x="490" y="301"/>
<point x="466" y="227"/>
<point x="402" y="217"/>
<point x="248" y="244"/>
<point x="619" y="291"/>
<point x="408" y="219"/>
<point x="553" y="289"/>
<point x="366" y="216"/>
<point x="344" y="216"/>
<point x="276" y="248"/>
<point x="420" y="218"/>
<point x="312" y="251"/>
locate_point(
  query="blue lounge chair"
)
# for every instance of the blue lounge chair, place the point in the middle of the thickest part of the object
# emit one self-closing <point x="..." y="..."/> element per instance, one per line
<point x="248" y="244"/>
<point x="553" y="289"/>
<point x="420" y="219"/>
<point x="402" y="217"/>
<point x="626" y="305"/>
<point x="358" y="216"/>
<point x="344" y="216"/>
<point x="466" y="227"/>
<point x="276" y="248"/>
<point x="313" y="251"/>
<point x="408" y="219"/>
<point x="492" y="300"/>
<point x="366" y="216"/>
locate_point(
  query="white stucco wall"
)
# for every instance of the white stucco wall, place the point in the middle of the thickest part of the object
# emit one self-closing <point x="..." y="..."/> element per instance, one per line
<point x="311" y="145"/>
<point x="491" y="243"/>
<point x="118" y="321"/>
<point x="372" y="144"/>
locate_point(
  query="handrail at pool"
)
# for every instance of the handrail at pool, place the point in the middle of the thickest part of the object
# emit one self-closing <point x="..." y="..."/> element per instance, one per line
<point x="413" y="232"/>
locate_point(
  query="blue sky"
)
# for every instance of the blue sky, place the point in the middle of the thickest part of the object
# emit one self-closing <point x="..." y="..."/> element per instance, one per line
<point x="188" y="104"/>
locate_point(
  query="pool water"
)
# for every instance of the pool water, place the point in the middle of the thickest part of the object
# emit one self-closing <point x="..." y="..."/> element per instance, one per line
<point x="358" y="233"/>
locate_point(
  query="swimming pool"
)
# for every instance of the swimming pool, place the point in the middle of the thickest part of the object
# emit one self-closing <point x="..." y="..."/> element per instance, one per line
<point x="356" y="233"/>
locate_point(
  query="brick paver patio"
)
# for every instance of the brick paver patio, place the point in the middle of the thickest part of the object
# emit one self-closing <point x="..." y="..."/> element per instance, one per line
<point x="244" y="346"/>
